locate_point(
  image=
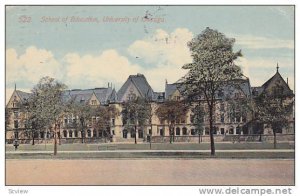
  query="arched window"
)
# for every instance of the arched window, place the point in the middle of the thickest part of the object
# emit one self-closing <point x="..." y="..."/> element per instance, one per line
<point x="75" y="133"/>
<point x="125" y="133"/>
<point x="65" y="133"/>
<point x="42" y="135"/>
<point x="193" y="132"/>
<point x="132" y="133"/>
<point x="70" y="133"/>
<point x="100" y="133"/>
<point x="89" y="133"/>
<point x="184" y="131"/>
<point x="140" y="133"/>
<point x="161" y="132"/>
<point x="177" y="131"/>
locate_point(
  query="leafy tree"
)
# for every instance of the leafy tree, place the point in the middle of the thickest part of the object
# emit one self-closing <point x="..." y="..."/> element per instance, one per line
<point x="273" y="111"/>
<point x="45" y="106"/>
<point x="212" y="67"/>
<point x="170" y="111"/>
<point x="197" y="116"/>
<point x="135" y="114"/>
<point x="104" y="115"/>
<point x="83" y="113"/>
<point x="7" y="118"/>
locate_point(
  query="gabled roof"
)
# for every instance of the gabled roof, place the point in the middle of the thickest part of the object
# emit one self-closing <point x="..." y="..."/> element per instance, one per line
<point x="276" y="77"/>
<point x="226" y="91"/>
<point x="170" y="89"/>
<point x="140" y="82"/>
<point x="23" y="95"/>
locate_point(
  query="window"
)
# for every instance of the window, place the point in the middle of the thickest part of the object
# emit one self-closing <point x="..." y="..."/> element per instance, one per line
<point x="75" y="133"/>
<point x="150" y="131"/>
<point x="222" y="107"/>
<point x="65" y="133"/>
<point x="89" y="133"/>
<point x="113" y="132"/>
<point x="193" y="132"/>
<point x="183" y="121"/>
<point x="140" y="133"/>
<point x="238" y="117"/>
<point x="94" y="102"/>
<point x="16" y="124"/>
<point x="100" y="133"/>
<point x="48" y="134"/>
<point x="277" y="91"/>
<point x="161" y="121"/>
<point x="94" y="133"/>
<point x="231" y="131"/>
<point x="161" y="132"/>
<point x="215" y="129"/>
<point x="113" y="122"/>
<point x="222" y="131"/>
<point x="177" y="121"/>
<point x="132" y="133"/>
<point x="238" y="130"/>
<point x="237" y="95"/>
<point x="16" y="114"/>
<point x="70" y="133"/>
<point x="222" y="118"/>
<point x="177" y="131"/>
<point x="244" y="118"/>
<point x="206" y="131"/>
<point x="42" y="135"/>
<point x="124" y="133"/>
<point x="66" y="121"/>
<point x="16" y="135"/>
<point x="184" y="131"/>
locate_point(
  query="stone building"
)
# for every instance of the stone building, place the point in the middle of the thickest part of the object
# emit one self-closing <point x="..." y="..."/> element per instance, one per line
<point x="230" y="119"/>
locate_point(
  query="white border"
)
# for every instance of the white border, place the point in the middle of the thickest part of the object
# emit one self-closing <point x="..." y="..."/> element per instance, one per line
<point x="124" y="190"/>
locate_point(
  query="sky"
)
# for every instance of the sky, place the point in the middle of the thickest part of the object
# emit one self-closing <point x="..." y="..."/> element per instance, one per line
<point x="91" y="46"/>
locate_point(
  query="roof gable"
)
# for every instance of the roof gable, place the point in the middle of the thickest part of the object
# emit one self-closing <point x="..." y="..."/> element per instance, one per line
<point x="137" y="83"/>
<point x="274" y="81"/>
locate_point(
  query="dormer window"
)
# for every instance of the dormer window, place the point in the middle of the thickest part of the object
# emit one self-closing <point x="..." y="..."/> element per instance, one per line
<point x="82" y="100"/>
<point x="94" y="102"/>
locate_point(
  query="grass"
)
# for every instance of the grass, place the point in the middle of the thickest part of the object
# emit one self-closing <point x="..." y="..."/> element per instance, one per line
<point x="145" y="146"/>
<point x="160" y="155"/>
<point x="162" y="146"/>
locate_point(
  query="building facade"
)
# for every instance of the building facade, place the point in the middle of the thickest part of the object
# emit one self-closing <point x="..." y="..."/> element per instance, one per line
<point x="229" y="119"/>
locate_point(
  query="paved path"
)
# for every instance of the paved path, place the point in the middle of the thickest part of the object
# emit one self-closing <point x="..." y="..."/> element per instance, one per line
<point x="106" y="151"/>
<point x="151" y="172"/>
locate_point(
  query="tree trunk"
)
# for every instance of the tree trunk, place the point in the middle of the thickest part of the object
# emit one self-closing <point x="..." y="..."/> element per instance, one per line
<point x="33" y="137"/>
<point x="135" y="134"/>
<point x="170" y="134"/>
<point x="59" y="137"/>
<point x="275" y="140"/>
<point x="55" y="140"/>
<point x="211" y="134"/>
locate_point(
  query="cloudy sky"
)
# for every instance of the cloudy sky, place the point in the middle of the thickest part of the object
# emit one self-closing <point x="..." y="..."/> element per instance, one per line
<point x="89" y="46"/>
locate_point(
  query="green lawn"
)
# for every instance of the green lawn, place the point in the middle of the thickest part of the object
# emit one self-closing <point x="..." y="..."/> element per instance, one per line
<point x="156" y="146"/>
<point x="160" y="155"/>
